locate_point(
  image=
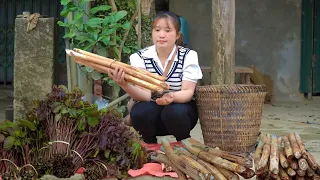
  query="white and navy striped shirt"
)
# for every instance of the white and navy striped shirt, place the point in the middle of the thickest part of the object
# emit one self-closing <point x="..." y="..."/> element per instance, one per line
<point x="185" y="66"/>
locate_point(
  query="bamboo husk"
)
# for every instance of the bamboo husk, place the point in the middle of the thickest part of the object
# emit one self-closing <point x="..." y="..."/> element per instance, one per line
<point x="311" y="161"/>
<point x="223" y="154"/>
<point x="213" y="170"/>
<point x="301" y="145"/>
<point x="274" y="157"/>
<point x="283" y="174"/>
<point x="294" y="145"/>
<point x="161" y="78"/>
<point x="218" y="161"/>
<point x="287" y="148"/>
<point x="161" y="158"/>
<point x="127" y="77"/>
<point x="265" y="153"/>
<point x="176" y="160"/>
<point x="291" y="172"/>
<point x="303" y="164"/>
<point x="104" y="65"/>
<point x="293" y="163"/>
<point x="301" y="172"/>
<point x="310" y="172"/>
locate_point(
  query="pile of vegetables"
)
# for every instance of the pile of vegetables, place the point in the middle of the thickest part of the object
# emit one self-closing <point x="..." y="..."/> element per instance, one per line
<point x="65" y="132"/>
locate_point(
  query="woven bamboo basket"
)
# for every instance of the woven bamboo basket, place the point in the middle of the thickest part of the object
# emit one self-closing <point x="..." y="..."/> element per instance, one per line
<point x="230" y="115"/>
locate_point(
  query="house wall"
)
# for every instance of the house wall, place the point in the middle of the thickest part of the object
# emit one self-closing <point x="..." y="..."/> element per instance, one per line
<point x="268" y="36"/>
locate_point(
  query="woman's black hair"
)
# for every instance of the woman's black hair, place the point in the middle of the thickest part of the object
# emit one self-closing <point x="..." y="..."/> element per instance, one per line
<point x="175" y="19"/>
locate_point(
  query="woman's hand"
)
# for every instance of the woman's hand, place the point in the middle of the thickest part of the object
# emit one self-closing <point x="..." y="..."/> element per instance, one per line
<point x="165" y="99"/>
<point x="117" y="75"/>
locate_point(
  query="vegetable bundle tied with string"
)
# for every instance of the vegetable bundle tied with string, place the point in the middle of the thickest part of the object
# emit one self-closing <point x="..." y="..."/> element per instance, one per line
<point x="140" y="77"/>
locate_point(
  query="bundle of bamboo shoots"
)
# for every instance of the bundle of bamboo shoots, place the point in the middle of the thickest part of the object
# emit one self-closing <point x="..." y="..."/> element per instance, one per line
<point x="198" y="161"/>
<point x="284" y="158"/>
<point x="134" y="75"/>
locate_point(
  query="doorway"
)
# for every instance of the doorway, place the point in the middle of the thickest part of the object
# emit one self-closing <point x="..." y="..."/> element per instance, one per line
<point x="310" y="48"/>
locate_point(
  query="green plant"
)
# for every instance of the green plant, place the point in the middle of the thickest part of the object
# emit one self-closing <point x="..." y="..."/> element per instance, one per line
<point x="95" y="34"/>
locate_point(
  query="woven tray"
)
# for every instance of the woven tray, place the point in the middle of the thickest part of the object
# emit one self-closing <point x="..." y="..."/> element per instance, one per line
<point x="230" y="115"/>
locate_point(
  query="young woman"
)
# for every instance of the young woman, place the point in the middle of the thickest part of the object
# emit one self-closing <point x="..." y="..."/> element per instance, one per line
<point x="174" y="112"/>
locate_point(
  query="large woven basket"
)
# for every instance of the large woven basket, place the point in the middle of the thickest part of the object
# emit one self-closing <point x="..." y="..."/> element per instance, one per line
<point x="230" y="115"/>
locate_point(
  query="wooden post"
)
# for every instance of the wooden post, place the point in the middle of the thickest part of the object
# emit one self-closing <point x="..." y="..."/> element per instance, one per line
<point x="223" y="27"/>
<point x="139" y="23"/>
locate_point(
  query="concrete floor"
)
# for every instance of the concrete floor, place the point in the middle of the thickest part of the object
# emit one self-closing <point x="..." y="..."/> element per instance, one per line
<point x="279" y="118"/>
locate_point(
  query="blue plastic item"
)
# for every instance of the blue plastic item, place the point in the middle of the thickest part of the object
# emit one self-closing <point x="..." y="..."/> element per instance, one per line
<point x="184" y="30"/>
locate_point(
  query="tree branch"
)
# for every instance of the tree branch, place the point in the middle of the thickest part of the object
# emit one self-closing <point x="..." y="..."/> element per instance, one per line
<point x="113" y="5"/>
<point x="114" y="9"/>
<point x="127" y="32"/>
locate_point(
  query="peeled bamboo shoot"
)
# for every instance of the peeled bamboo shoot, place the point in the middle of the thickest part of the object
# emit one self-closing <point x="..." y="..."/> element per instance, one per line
<point x="274" y="156"/>
<point x="283" y="174"/>
<point x="301" y="145"/>
<point x="287" y="148"/>
<point x="265" y="154"/>
<point x="303" y="164"/>
<point x="294" y="145"/>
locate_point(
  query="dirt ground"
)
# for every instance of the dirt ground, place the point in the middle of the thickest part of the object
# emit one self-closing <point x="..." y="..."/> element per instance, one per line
<point x="279" y="118"/>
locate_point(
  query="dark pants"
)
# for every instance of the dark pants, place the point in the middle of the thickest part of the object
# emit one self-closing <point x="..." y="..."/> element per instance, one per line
<point x="153" y="120"/>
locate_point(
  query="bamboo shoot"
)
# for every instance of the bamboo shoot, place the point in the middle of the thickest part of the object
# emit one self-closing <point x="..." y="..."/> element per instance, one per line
<point x="287" y="148"/>
<point x="283" y="174"/>
<point x="293" y="163"/>
<point x="122" y="64"/>
<point x="301" y="145"/>
<point x="265" y="154"/>
<point x="301" y="172"/>
<point x="223" y="154"/>
<point x="283" y="161"/>
<point x="257" y="154"/>
<point x="127" y="77"/>
<point x="274" y="157"/>
<point x="176" y="160"/>
<point x="228" y="174"/>
<point x="218" y="161"/>
<point x="310" y="172"/>
<point x="291" y="172"/>
<point x="213" y="170"/>
<point x="111" y="65"/>
<point x="311" y="161"/>
<point x="295" y="148"/>
<point x="161" y="158"/>
<point x="303" y="164"/>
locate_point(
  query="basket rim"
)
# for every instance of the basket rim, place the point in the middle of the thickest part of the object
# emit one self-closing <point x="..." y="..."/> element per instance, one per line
<point x="232" y="87"/>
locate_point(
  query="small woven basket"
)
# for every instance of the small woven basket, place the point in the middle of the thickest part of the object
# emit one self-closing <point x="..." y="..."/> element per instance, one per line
<point x="230" y="115"/>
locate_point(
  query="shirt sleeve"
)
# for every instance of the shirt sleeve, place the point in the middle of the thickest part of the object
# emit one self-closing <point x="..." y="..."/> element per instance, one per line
<point x="137" y="61"/>
<point x="191" y="69"/>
